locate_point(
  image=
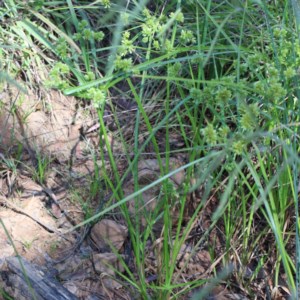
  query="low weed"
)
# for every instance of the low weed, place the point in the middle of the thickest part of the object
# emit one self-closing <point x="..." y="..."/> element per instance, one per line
<point x="42" y="166"/>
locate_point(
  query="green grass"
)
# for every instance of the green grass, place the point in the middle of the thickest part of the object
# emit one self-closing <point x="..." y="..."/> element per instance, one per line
<point x="222" y="76"/>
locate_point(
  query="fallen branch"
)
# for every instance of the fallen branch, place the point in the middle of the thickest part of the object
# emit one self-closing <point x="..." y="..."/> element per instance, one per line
<point x="23" y="280"/>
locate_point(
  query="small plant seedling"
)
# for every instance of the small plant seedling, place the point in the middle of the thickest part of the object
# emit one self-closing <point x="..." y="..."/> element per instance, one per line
<point x="43" y="163"/>
<point x="28" y="244"/>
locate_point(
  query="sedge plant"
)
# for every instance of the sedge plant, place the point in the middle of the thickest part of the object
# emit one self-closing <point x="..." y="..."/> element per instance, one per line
<point x="221" y="77"/>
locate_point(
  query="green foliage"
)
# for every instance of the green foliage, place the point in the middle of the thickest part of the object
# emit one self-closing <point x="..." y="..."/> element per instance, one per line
<point x="43" y="163"/>
<point x="226" y="84"/>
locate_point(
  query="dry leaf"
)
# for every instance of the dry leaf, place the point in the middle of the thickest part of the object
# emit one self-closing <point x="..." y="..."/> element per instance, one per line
<point x="107" y="263"/>
<point x="108" y="233"/>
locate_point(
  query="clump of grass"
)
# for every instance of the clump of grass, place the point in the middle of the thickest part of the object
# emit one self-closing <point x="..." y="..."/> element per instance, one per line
<point x="227" y="87"/>
<point x="42" y="166"/>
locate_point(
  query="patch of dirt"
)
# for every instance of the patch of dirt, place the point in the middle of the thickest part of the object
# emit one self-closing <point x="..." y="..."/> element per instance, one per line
<point x="30" y="239"/>
<point x="51" y="125"/>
